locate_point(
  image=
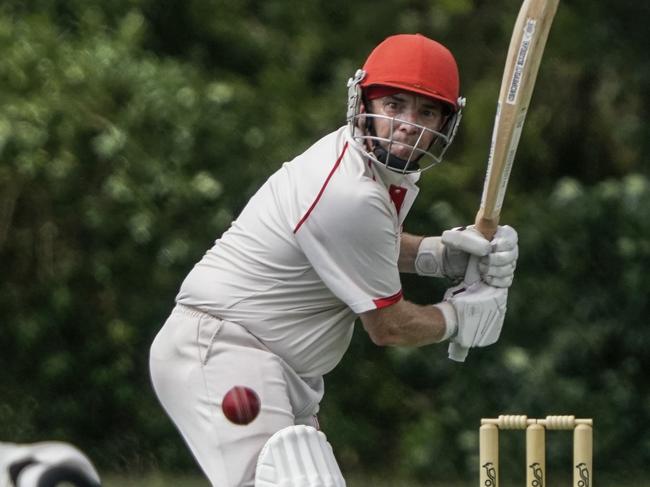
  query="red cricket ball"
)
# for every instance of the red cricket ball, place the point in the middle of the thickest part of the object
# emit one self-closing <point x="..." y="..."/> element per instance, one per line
<point x="241" y="405"/>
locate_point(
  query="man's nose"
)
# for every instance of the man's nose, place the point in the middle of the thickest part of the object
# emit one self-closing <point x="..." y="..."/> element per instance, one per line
<point x="407" y="120"/>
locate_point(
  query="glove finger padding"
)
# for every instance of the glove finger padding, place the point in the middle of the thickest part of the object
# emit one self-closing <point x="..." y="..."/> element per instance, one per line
<point x="458" y="244"/>
<point x="499" y="258"/>
<point x="480" y="312"/>
<point x="505" y="238"/>
<point x="498" y="276"/>
<point x="466" y="239"/>
<point x="489" y="270"/>
<point x="501" y="282"/>
<point x="497" y="268"/>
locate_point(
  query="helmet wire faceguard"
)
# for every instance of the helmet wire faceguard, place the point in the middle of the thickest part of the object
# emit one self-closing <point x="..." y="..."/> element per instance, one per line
<point x="378" y="149"/>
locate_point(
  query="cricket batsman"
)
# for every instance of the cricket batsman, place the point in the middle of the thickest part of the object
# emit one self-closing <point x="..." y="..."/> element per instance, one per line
<point x="271" y="307"/>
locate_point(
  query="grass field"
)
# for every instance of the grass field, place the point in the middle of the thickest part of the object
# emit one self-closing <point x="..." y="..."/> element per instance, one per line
<point x="159" y="480"/>
<point x="153" y="480"/>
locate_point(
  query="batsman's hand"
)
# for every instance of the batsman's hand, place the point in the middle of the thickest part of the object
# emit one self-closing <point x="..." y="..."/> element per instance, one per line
<point x="498" y="267"/>
<point x="497" y="258"/>
<point x="448" y="255"/>
<point x="474" y="315"/>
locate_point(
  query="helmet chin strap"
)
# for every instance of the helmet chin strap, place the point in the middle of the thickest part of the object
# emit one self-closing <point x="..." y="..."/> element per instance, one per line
<point x="392" y="161"/>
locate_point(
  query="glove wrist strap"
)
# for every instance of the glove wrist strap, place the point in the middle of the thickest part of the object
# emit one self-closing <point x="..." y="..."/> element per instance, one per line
<point x="451" y="321"/>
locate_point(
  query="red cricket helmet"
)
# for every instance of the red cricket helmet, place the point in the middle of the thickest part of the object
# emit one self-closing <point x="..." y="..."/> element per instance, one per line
<point x="415" y="63"/>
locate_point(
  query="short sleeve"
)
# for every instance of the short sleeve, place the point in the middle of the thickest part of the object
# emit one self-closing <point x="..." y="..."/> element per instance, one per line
<point x="351" y="239"/>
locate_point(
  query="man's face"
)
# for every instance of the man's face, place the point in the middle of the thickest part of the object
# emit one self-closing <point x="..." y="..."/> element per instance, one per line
<point x="407" y="109"/>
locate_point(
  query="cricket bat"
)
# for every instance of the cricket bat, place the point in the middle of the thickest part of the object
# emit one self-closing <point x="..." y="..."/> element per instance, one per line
<point x="520" y="72"/>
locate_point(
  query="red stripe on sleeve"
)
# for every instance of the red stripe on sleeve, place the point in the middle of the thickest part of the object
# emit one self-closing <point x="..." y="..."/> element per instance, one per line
<point x="320" y="193"/>
<point x="383" y="302"/>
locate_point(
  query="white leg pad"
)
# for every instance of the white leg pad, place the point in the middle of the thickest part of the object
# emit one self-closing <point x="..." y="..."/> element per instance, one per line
<point x="298" y="456"/>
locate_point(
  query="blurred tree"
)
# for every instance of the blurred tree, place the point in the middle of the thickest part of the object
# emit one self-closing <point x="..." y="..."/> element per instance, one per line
<point x="106" y="198"/>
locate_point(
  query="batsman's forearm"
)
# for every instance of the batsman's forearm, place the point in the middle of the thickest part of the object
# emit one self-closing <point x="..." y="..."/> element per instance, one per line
<point x="408" y="251"/>
<point x="405" y="324"/>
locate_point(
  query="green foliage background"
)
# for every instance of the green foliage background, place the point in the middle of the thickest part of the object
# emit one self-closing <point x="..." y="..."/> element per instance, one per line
<point x="133" y="131"/>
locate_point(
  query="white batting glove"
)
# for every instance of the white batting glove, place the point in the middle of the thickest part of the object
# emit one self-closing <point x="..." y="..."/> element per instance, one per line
<point x="474" y="315"/>
<point x="498" y="267"/>
<point x="448" y="255"/>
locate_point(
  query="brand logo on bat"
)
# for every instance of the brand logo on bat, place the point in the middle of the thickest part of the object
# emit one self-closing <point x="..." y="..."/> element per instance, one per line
<point x="515" y="83"/>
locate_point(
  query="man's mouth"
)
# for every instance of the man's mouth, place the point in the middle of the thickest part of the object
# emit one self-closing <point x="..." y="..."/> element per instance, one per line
<point x="400" y="148"/>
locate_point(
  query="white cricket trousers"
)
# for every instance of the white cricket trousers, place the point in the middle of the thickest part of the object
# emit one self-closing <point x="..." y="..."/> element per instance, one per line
<point x="195" y="359"/>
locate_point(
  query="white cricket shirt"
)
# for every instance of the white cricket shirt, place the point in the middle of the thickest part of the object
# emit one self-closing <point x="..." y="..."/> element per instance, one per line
<point x="314" y="247"/>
